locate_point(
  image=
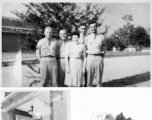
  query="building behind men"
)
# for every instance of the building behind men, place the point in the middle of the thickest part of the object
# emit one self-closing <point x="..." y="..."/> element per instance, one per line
<point x="10" y="26"/>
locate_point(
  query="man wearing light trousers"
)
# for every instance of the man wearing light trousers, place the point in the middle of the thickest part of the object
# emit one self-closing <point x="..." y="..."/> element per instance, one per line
<point x="46" y="52"/>
<point x="95" y="49"/>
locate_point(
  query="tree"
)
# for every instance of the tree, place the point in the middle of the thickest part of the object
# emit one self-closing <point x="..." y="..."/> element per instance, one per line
<point x="122" y="117"/>
<point x="110" y="43"/>
<point x="122" y="35"/>
<point x="120" y="42"/>
<point x="109" y="117"/>
<point x="140" y="37"/>
<point x="56" y="15"/>
<point x="98" y="116"/>
<point x="129" y="119"/>
<point x="128" y="27"/>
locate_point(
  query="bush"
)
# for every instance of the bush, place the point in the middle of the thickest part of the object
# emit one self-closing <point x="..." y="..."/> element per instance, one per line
<point x="110" y="43"/>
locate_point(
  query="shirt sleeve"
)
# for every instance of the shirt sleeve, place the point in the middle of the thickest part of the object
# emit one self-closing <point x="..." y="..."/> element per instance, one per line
<point x="85" y="42"/>
<point x="56" y="48"/>
<point x="37" y="46"/>
<point x="58" y="44"/>
<point x="103" y="41"/>
<point x="84" y="50"/>
<point x="67" y="49"/>
<point x="38" y="54"/>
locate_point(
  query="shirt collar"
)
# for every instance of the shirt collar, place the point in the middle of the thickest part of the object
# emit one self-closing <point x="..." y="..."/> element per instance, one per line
<point x="82" y="35"/>
<point x="64" y="41"/>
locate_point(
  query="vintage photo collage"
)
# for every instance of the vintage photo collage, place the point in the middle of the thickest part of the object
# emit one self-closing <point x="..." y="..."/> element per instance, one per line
<point x="75" y="60"/>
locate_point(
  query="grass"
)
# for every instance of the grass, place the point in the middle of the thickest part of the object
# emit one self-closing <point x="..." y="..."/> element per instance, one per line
<point x="128" y="80"/>
<point x="109" y="54"/>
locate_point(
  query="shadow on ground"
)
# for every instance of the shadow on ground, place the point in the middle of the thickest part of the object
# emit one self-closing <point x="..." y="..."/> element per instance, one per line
<point x="123" y="82"/>
<point x="128" y="80"/>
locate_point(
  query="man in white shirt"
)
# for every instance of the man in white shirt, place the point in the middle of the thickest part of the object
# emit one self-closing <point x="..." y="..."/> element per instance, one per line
<point x="95" y="49"/>
<point x="82" y="30"/>
<point x="63" y="44"/>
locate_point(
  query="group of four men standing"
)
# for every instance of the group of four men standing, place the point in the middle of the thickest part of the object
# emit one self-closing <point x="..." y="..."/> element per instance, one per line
<point x="51" y="53"/>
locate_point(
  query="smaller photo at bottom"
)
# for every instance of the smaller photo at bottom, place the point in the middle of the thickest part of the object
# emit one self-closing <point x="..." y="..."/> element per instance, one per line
<point x="115" y="104"/>
<point x="35" y="105"/>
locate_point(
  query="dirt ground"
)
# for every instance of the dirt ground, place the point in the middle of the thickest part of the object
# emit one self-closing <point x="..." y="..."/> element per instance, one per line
<point x="115" y="68"/>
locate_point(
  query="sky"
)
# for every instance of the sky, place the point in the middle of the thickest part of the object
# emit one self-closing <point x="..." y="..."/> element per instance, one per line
<point x="113" y="13"/>
<point x="134" y="103"/>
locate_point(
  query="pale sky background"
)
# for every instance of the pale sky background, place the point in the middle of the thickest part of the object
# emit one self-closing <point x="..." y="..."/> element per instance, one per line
<point x="134" y="103"/>
<point x="113" y="13"/>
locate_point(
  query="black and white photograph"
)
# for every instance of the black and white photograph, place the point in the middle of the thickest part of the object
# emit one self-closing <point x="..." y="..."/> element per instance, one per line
<point x="115" y="104"/>
<point x="75" y="60"/>
<point x="72" y="44"/>
<point x="35" y="105"/>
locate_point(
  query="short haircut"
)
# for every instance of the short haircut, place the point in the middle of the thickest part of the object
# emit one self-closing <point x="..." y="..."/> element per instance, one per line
<point x="75" y="33"/>
<point x="82" y="24"/>
<point x="92" y="22"/>
<point x="63" y="29"/>
<point x="69" y="34"/>
<point x="48" y="27"/>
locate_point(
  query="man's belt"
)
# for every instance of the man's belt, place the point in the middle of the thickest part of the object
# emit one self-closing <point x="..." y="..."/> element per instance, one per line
<point x="61" y="58"/>
<point x="97" y="54"/>
<point x="48" y="56"/>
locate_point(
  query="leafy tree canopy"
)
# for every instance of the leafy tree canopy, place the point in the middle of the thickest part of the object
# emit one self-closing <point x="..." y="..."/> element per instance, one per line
<point x="57" y="15"/>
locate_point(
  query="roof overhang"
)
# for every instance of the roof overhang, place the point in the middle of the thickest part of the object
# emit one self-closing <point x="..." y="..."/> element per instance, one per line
<point x="17" y="28"/>
<point x="16" y="99"/>
<point x="10" y="29"/>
